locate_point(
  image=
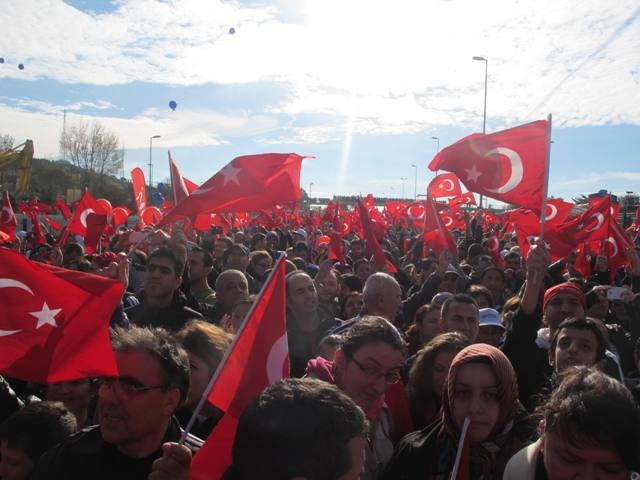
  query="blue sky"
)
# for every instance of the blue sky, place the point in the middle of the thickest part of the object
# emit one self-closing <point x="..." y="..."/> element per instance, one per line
<point x="361" y="85"/>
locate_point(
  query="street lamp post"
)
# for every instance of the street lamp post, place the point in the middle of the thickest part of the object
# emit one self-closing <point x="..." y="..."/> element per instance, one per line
<point x="437" y="139"/>
<point x="151" y="160"/>
<point x="484" y="111"/>
<point x="415" y="182"/>
<point x="403" y="179"/>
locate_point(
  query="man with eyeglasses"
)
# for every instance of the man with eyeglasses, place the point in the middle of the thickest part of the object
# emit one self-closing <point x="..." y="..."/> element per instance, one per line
<point x="137" y="431"/>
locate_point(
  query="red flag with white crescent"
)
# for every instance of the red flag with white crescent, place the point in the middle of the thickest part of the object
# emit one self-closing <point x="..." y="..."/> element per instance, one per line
<point x="87" y="205"/>
<point x="508" y="165"/>
<point x="54" y="325"/>
<point x="258" y="357"/>
<point x="444" y="185"/>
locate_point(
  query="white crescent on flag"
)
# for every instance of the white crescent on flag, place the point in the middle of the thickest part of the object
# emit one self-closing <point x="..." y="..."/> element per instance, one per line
<point x="600" y="220"/>
<point x="276" y="359"/>
<point x="83" y="216"/>
<point x="516" y="169"/>
<point x="613" y="242"/>
<point x="554" y="212"/>
<point x="12" y="283"/>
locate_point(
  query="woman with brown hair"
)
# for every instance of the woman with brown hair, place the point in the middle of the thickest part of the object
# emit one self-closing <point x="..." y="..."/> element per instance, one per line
<point x="428" y="376"/>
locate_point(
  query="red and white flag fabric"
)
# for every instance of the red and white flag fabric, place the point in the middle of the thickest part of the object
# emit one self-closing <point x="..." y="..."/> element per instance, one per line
<point x="444" y="185"/>
<point x="258" y="357"/>
<point x="8" y="221"/>
<point x="436" y="236"/>
<point x="589" y="226"/>
<point x="246" y="184"/>
<point x="54" y="325"/>
<point x="139" y="189"/>
<point x="86" y="205"/>
<point x="557" y="211"/>
<point x="181" y="187"/>
<point x="467" y="198"/>
<point x="508" y="165"/>
<point x="379" y="258"/>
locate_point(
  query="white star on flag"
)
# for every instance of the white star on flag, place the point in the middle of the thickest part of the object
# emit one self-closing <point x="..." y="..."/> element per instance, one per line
<point x="230" y="174"/>
<point x="46" y="316"/>
<point x="473" y="173"/>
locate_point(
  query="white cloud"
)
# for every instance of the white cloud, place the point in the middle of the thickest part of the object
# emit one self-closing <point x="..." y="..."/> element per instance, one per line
<point x="395" y="67"/>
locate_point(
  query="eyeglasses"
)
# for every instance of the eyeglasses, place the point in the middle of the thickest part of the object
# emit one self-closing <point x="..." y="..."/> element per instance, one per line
<point x="390" y="377"/>
<point x="126" y="386"/>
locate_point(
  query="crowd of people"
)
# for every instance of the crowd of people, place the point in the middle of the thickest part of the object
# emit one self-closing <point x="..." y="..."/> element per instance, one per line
<point x="534" y="364"/>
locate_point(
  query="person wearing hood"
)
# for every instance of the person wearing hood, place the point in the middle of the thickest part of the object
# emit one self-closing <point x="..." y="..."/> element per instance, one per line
<point x="481" y="387"/>
<point x="367" y="367"/>
<point x="529" y="332"/>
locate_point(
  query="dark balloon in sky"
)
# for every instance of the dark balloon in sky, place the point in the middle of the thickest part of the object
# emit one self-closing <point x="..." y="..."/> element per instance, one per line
<point x="232" y="30"/>
<point x="20" y="66"/>
<point x="1" y="60"/>
<point x="173" y="104"/>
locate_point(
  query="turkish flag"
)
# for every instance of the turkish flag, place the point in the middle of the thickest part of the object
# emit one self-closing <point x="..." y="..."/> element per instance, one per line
<point x="616" y="245"/>
<point x="557" y="211"/>
<point x="379" y="257"/>
<point x="246" y="184"/>
<point x="591" y="225"/>
<point x="52" y="223"/>
<point x="181" y="187"/>
<point x="467" y="198"/>
<point x="257" y="358"/>
<point x="55" y="322"/>
<point x="139" y="189"/>
<point x="527" y="227"/>
<point x="436" y="236"/>
<point x="86" y="205"/>
<point x="493" y="249"/>
<point x="508" y="165"/>
<point x="415" y="214"/>
<point x="8" y="221"/>
<point x="444" y="185"/>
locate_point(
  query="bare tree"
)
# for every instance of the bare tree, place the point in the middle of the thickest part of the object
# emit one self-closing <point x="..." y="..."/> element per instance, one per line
<point x="95" y="150"/>
<point x="6" y="142"/>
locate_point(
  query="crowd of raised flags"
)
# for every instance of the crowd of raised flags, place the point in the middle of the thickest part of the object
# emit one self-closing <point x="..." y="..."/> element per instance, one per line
<point x="55" y="322"/>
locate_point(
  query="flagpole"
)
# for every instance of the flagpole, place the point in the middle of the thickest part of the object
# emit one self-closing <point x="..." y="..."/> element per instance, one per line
<point x="216" y="374"/>
<point x="463" y="434"/>
<point x="543" y="212"/>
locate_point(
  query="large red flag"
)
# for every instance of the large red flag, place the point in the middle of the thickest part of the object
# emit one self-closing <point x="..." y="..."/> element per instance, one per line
<point x="139" y="189"/>
<point x="86" y="205"/>
<point x="258" y="357"/>
<point x="508" y="165"/>
<point x="444" y="185"/>
<point x="246" y="184"/>
<point x="55" y="322"/>
<point x="181" y="187"/>
<point x="8" y="221"/>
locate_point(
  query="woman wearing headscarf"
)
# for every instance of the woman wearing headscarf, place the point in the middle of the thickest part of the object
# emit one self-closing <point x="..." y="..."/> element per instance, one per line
<point x="481" y="386"/>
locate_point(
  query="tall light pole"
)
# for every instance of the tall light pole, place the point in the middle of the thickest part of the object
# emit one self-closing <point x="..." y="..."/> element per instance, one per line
<point x="484" y="111"/>
<point x="486" y="70"/>
<point x="403" y="179"/>
<point x="415" y="183"/>
<point x="151" y="161"/>
<point x="437" y="139"/>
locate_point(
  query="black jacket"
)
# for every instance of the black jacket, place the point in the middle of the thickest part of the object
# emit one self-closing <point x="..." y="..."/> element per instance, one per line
<point x="85" y="455"/>
<point x="172" y="317"/>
